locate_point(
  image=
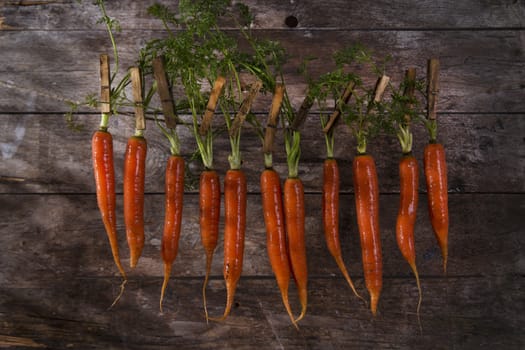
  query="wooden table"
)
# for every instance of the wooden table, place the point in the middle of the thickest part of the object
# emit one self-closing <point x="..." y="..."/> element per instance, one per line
<point x="57" y="277"/>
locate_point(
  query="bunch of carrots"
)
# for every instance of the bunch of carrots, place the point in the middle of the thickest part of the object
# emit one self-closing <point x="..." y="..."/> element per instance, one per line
<point x="217" y="63"/>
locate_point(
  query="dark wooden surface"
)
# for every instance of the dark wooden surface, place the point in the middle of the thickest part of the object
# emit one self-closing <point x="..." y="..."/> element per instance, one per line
<point x="56" y="274"/>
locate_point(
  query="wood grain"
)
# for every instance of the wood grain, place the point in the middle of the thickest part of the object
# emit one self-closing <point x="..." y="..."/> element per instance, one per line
<point x="471" y="76"/>
<point x="58" y="245"/>
<point x="40" y="154"/>
<point x="271" y="14"/>
<point x="57" y="277"/>
<point x="469" y="313"/>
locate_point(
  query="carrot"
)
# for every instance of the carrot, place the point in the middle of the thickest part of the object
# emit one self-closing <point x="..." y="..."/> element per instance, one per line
<point x="210" y="208"/>
<point x="134" y="174"/>
<point x="294" y="214"/>
<point x="275" y="233"/>
<point x="174" y="182"/>
<point x="409" y="178"/>
<point x="172" y="221"/>
<point x="234" y="232"/>
<point x="209" y="186"/>
<point x="366" y="190"/>
<point x="272" y="201"/>
<point x="103" y="168"/>
<point x="436" y="179"/>
<point x="331" y="185"/>
<point x="367" y="209"/>
<point x="330" y="208"/>
<point x="406" y="217"/>
<point x="235" y="200"/>
<point x="436" y="167"/>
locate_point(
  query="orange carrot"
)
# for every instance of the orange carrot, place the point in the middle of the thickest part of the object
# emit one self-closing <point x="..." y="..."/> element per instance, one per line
<point x="436" y="178"/>
<point x="275" y="233"/>
<point x="173" y="217"/>
<point x="272" y="201"/>
<point x="436" y="166"/>
<point x="330" y="207"/>
<point x="294" y="214"/>
<point x="210" y="209"/>
<point x="367" y="209"/>
<point x="134" y="176"/>
<point x="406" y="217"/>
<point x="409" y="182"/>
<point x="103" y="168"/>
<point x="234" y="231"/>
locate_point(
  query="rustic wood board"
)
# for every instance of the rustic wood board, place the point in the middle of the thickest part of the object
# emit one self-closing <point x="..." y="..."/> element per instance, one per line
<point x="40" y="154"/>
<point x="65" y="237"/>
<point x="466" y="313"/>
<point x="471" y="76"/>
<point x="57" y="277"/>
<point x="271" y="14"/>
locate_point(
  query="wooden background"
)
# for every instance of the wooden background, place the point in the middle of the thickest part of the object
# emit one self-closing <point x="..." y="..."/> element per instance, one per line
<point x="57" y="277"/>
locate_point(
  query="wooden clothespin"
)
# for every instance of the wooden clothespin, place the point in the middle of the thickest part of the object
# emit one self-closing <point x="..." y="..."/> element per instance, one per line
<point x="212" y="104"/>
<point x="301" y="115"/>
<point x="273" y="117"/>
<point x="410" y="87"/>
<point x="432" y="88"/>
<point x="246" y="105"/>
<point x="337" y="112"/>
<point x="379" y="90"/>
<point x="136" y="86"/>
<point x="105" y="85"/>
<point x="165" y="94"/>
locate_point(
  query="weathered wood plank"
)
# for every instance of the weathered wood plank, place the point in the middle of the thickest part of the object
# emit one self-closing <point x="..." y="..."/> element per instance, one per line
<point x="48" y="237"/>
<point x="467" y="313"/>
<point x="471" y="76"/>
<point x="56" y="273"/>
<point x="382" y="14"/>
<point x="40" y="154"/>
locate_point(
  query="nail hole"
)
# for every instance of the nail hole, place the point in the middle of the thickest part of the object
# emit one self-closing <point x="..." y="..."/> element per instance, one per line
<point x="291" y="21"/>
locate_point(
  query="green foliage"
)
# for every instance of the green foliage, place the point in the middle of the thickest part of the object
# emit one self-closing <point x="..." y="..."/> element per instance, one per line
<point x="404" y="110"/>
<point x="365" y="117"/>
<point x="196" y="51"/>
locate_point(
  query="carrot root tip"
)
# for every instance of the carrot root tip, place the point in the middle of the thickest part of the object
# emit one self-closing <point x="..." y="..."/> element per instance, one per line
<point x="304" y="304"/>
<point x="286" y="302"/>
<point x="121" y="292"/>
<point x="205" y="284"/>
<point x="167" y="272"/>
<point x="374" y="300"/>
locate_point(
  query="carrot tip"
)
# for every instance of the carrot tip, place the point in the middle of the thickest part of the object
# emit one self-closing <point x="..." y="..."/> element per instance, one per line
<point x="167" y="272"/>
<point x="301" y="316"/>
<point x="374" y="300"/>
<point x="286" y="302"/>
<point x="303" y="300"/>
<point x="122" y="287"/>
<point x="209" y="257"/>
<point x="344" y="271"/>
<point x="133" y="262"/>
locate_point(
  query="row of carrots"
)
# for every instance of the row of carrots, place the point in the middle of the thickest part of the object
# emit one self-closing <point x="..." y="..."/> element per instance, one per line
<point x="283" y="207"/>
